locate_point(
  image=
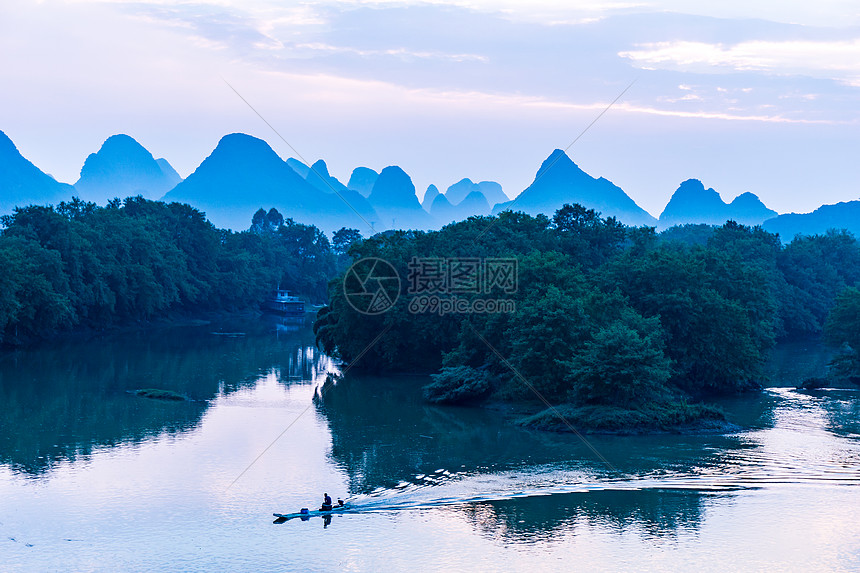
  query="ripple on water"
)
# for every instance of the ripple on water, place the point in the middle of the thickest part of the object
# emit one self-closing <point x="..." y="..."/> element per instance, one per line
<point x="800" y="449"/>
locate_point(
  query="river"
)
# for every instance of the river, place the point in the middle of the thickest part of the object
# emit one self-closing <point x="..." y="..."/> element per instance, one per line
<point x="95" y="478"/>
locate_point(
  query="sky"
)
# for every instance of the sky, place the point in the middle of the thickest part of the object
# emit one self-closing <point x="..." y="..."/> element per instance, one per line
<point x="745" y="96"/>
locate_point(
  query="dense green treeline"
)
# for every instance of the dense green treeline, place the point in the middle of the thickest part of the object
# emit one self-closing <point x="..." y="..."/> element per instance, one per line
<point x="605" y="315"/>
<point x="843" y="331"/>
<point x="81" y="265"/>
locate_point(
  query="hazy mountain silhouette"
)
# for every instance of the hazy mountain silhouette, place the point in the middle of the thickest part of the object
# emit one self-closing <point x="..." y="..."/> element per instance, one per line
<point x="748" y="209"/>
<point x="441" y="209"/>
<point x="319" y="177"/>
<point x="243" y="174"/>
<point x="475" y="203"/>
<point x="122" y="168"/>
<point x="845" y="215"/>
<point x="445" y="212"/>
<point x="429" y="196"/>
<point x="362" y="180"/>
<point x="393" y="197"/>
<point x="491" y="190"/>
<point x="169" y="171"/>
<point x="298" y="167"/>
<point x="692" y="203"/>
<point x="22" y="183"/>
<point x="559" y="180"/>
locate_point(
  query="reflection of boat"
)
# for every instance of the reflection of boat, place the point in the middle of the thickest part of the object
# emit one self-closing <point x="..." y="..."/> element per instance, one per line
<point x="314" y="513"/>
<point x="289" y="322"/>
<point x="281" y="302"/>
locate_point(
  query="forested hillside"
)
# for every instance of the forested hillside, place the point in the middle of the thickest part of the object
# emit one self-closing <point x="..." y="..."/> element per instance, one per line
<point x="81" y="265"/>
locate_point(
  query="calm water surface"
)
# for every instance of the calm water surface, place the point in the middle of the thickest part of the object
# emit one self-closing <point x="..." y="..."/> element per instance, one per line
<point x="93" y="478"/>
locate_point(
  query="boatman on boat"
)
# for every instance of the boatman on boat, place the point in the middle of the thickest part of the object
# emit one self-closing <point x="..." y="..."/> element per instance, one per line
<point x="326" y="506"/>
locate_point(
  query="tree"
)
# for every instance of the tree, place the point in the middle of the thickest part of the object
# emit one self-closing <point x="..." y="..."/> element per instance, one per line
<point x="583" y="233"/>
<point x="716" y="310"/>
<point x="258" y="221"/>
<point x="623" y="364"/>
<point x="274" y="219"/>
<point x="815" y="270"/>
<point x="843" y="322"/>
<point x="548" y="330"/>
<point x="81" y="264"/>
<point x="458" y="385"/>
<point x="35" y="299"/>
<point x="343" y="239"/>
<point x="842" y="329"/>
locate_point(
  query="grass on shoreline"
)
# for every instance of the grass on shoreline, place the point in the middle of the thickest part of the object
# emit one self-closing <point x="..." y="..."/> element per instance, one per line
<point x="662" y="417"/>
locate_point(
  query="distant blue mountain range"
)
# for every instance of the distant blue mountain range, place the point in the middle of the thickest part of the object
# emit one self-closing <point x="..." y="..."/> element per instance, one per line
<point x="121" y="168"/>
<point x="362" y="180"/>
<point x="839" y="216"/>
<point x="559" y="180"/>
<point x="692" y="203"/>
<point x="22" y="183"/>
<point x="243" y="174"/>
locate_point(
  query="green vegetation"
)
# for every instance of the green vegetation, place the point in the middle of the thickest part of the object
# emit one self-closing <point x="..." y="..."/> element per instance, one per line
<point x="620" y="325"/>
<point x="83" y="266"/>
<point x="662" y="416"/>
<point x="842" y="329"/>
<point x="458" y="385"/>
<point x="158" y="394"/>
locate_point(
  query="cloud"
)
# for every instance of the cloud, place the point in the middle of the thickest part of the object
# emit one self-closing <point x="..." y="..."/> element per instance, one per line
<point x="488" y="88"/>
<point x="836" y="60"/>
<point x="367" y="92"/>
<point x="395" y="52"/>
<point x="547" y="12"/>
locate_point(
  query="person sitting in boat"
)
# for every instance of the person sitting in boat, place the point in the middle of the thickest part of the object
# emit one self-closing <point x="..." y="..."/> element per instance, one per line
<point x="326" y="506"/>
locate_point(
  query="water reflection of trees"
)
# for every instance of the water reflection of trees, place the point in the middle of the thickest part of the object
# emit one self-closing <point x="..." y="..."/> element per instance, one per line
<point x="61" y="401"/>
<point x="842" y="409"/>
<point x="382" y="433"/>
<point x="385" y="436"/>
<point x="791" y="362"/>
<point x="655" y="513"/>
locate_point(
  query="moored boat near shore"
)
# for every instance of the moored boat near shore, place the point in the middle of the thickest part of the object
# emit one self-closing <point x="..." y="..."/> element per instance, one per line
<point x="282" y="302"/>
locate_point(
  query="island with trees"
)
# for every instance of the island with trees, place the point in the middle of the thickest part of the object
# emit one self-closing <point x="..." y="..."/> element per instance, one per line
<point x="615" y="328"/>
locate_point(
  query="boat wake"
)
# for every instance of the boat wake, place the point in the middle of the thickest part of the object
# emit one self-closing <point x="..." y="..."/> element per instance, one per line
<point x="802" y="448"/>
<point x="443" y="489"/>
<point x="798" y="450"/>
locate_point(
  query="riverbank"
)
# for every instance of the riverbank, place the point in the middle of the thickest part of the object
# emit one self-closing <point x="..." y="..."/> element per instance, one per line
<point x="172" y="320"/>
<point x="674" y="418"/>
<point x="669" y="412"/>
